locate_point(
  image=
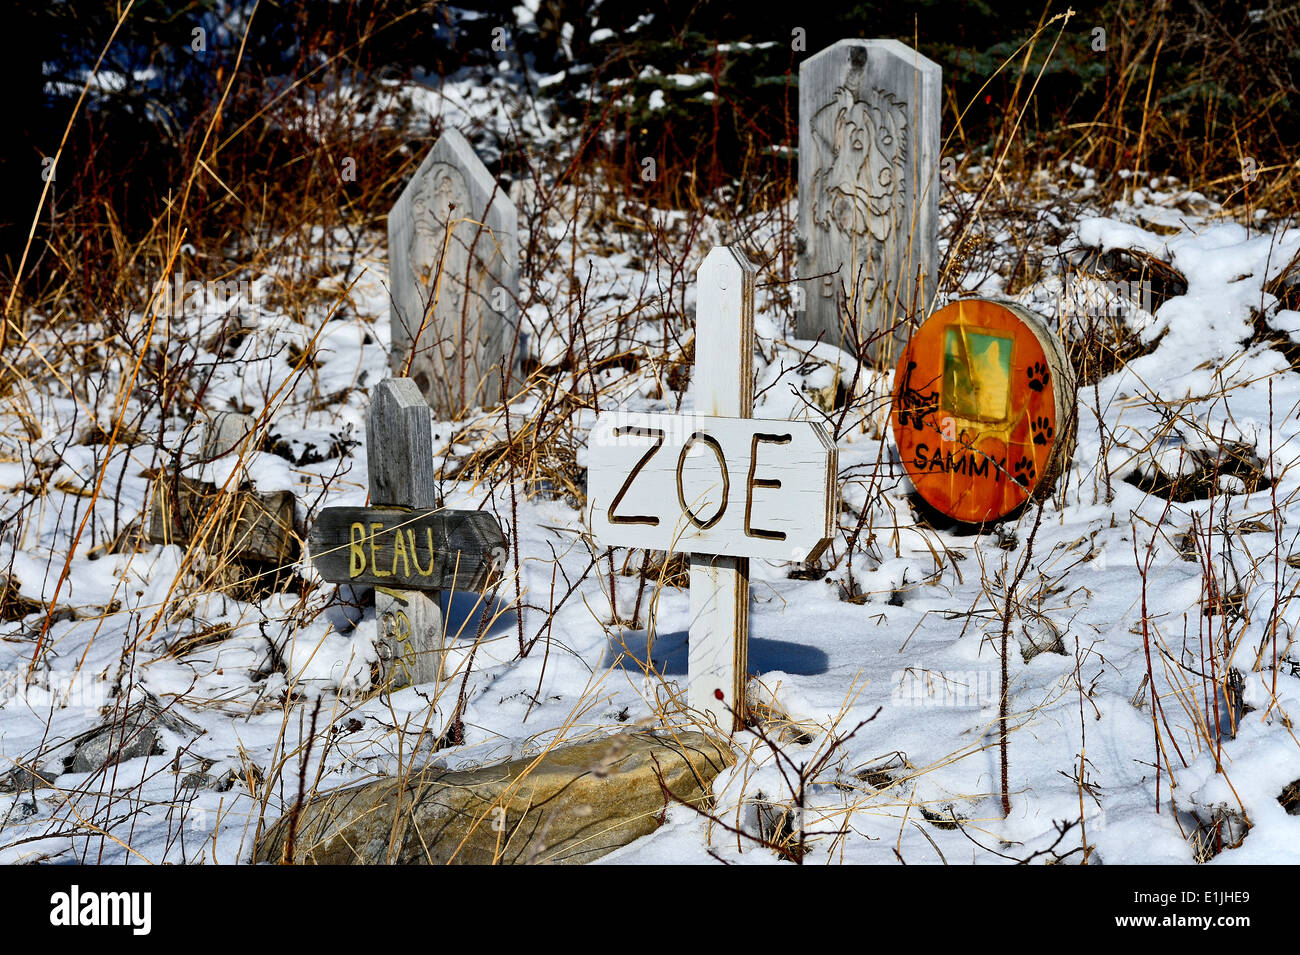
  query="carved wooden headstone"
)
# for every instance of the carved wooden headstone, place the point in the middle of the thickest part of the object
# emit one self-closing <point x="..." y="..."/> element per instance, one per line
<point x="983" y="409"/>
<point x="868" y="193"/>
<point x="717" y="484"/>
<point x="405" y="546"/>
<point x="233" y="521"/>
<point x="453" y="271"/>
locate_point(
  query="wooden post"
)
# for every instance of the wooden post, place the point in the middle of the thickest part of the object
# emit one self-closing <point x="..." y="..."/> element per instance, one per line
<point x="255" y="525"/>
<point x="718" y="658"/>
<point x="399" y="455"/>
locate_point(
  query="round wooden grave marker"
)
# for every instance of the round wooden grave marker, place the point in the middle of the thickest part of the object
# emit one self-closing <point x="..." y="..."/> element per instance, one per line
<point x="983" y="409"/>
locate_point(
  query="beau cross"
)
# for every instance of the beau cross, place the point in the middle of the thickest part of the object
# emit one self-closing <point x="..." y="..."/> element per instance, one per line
<point x="404" y="545"/>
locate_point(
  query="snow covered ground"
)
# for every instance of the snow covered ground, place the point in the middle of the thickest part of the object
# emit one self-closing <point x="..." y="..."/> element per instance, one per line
<point x="1160" y="575"/>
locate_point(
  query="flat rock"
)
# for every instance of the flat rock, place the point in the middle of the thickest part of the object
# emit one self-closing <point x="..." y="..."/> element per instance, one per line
<point x="570" y="805"/>
<point x="21" y="778"/>
<point x="130" y="733"/>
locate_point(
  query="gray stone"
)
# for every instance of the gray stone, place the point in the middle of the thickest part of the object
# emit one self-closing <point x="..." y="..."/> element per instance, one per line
<point x="571" y="805"/>
<point x="129" y="733"/>
<point x="869" y="113"/>
<point x="220" y="782"/>
<point x="22" y="778"/>
<point x="454" y="328"/>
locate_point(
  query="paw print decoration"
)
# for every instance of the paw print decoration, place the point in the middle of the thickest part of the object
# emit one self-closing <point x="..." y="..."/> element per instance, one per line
<point x="1024" y="472"/>
<point x="1042" y="430"/>
<point x="1038" y="375"/>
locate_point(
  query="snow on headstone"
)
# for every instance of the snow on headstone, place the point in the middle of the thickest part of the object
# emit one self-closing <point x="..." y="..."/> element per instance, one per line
<point x="224" y="517"/>
<point x="869" y="115"/>
<point x="453" y="269"/>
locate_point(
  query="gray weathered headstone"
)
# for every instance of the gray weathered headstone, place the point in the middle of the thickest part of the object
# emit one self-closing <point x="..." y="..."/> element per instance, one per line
<point x="869" y="114"/>
<point x="224" y="433"/>
<point x="453" y="270"/>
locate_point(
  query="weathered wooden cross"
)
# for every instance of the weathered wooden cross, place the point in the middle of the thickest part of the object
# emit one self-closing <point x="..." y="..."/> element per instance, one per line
<point x="717" y="484"/>
<point x="404" y="545"/>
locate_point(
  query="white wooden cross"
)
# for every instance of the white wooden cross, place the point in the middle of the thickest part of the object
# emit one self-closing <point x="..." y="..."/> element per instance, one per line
<point x="718" y="484"/>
